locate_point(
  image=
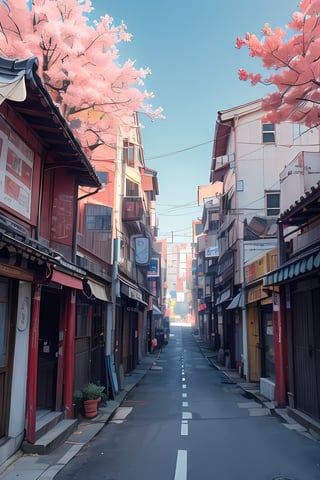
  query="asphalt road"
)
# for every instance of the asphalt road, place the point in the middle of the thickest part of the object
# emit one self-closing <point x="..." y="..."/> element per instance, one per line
<point x="186" y="421"/>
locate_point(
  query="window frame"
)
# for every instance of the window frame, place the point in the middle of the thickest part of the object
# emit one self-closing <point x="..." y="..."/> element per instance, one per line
<point x="268" y="133"/>
<point x="275" y="210"/>
<point x="132" y="188"/>
<point x="101" y="222"/>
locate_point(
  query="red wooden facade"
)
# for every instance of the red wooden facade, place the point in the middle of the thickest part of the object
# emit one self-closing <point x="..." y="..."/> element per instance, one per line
<point x="43" y="166"/>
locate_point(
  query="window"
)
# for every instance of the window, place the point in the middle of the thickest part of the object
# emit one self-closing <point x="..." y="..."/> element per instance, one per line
<point x="198" y="228"/>
<point x="83" y="319"/>
<point x="240" y="186"/>
<point x="132" y="189"/>
<point x="298" y="130"/>
<point x="16" y="166"/>
<point x="103" y="177"/>
<point x="273" y="203"/>
<point x="213" y="225"/>
<point x="128" y="153"/>
<point x="268" y="133"/>
<point x="98" y="217"/>
<point x="213" y="218"/>
<point x="132" y="154"/>
<point x="226" y="203"/>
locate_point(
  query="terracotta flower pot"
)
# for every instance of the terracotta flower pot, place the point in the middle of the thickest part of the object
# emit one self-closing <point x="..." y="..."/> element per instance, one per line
<point x="91" y="407"/>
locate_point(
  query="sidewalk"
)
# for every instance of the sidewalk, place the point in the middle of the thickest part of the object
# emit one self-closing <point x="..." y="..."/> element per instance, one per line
<point x="292" y="418"/>
<point x="45" y="467"/>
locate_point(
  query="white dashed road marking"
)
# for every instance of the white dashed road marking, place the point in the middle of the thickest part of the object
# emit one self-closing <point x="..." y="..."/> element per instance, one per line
<point x="186" y="415"/>
<point x="184" y="429"/>
<point x="181" y="465"/>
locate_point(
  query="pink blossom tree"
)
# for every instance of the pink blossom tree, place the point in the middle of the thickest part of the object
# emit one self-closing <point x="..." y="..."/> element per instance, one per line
<point x="292" y="56"/>
<point x="78" y="62"/>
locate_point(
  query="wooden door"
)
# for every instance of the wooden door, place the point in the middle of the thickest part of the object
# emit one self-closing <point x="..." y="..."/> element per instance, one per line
<point x="253" y="343"/>
<point x="48" y="348"/>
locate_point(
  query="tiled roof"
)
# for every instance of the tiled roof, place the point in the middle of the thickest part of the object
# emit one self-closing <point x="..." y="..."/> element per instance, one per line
<point x="304" y="208"/>
<point x="42" y="115"/>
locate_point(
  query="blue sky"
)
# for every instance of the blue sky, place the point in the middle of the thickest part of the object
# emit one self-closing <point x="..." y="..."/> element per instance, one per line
<point x="189" y="46"/>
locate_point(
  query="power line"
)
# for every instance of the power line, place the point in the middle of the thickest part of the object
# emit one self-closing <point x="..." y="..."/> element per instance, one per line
<point x="178" y="151"/>
<point x="192" y="147"/>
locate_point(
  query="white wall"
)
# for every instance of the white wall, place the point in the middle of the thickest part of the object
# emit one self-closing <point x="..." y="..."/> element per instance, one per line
<point x="20" y="364"/>
<point x="298" y="177"/>
<point x="259" y="165"/>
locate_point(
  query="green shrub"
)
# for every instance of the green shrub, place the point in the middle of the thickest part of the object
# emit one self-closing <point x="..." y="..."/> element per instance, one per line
<point x="92" y="391"/>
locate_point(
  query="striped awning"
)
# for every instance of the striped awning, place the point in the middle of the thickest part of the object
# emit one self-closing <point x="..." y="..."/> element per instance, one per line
<point x="303" y="264"/>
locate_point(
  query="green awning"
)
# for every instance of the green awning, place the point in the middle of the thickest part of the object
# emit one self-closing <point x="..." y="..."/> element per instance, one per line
<point x="302" y="264"/>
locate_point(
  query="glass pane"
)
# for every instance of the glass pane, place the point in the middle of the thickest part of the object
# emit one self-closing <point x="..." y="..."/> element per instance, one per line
<point x="82" y="320"/>
<point x="268" y="127"/>
<point x="273" y="212"/>
<point x="273" y="200"/>
<point x="268" y="137"/>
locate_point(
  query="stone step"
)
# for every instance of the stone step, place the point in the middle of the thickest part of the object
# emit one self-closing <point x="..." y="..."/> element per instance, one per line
<point x="46" y="420"/>
<point x="52" y="438"/>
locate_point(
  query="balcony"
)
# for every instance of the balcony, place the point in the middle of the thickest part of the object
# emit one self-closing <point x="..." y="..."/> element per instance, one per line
<point x="132" y="209"/>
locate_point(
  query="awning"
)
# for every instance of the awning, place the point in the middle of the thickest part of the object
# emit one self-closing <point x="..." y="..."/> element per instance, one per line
<point x="144" y="289"/>
<point x="97" y="290"/>
<point x="20" y="76"/>
<point x="131" y="290"/>
<point x="300" y="265"/>
<point x="224" y="296"/>
<point x="237" y="302"/>
<point x="66" y="280"/>
<point x="146" y="182"/>
<point x="156" y="310"/>
<point x="13" y="87"/>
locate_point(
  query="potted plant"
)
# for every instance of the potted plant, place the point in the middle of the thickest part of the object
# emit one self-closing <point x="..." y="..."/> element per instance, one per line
<point x="91" y="395"/>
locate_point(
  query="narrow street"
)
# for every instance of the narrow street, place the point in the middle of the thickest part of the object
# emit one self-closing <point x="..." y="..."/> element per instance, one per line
<point x="186" y="421"/>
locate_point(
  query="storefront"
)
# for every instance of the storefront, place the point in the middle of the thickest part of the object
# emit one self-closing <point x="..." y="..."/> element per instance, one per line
<point x="260" y="325"/>
<point x="130" y="308"/>
<point x="298" y="282"/>
<point x="260" y="334"/>
<point x="91" y="336"/>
